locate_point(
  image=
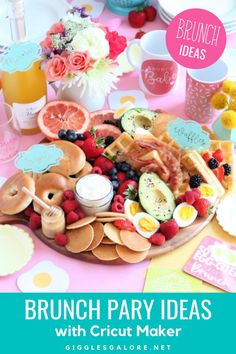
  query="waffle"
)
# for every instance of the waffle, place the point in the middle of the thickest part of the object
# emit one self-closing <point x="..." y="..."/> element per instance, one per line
<point x="122" y="143"/>
<point x="166" y="138"/>
<point x="228" y="151"/>
<point x="195" y="164"/>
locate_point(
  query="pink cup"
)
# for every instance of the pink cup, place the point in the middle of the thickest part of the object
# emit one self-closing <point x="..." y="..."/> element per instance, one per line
<point x="201" y="84"/>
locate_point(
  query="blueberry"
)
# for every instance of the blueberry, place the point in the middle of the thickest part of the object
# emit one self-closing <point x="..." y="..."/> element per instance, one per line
<point x="113" y="171"/>
<point x="130" y="174"/>
<point x="80" y="136"/>
<point x="115" y="185"/>
<point x="118" y="166"/>
<point x="71" y="136"/>
<point x="135" y="178"/>
<point x="125" y="167"/>
<point x="62" y="134"/>
<point x="70" y="131"/>
<point x="113" y="178"/>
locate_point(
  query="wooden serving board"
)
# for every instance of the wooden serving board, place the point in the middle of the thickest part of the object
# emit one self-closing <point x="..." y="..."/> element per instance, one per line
<point x="183" y="236"/>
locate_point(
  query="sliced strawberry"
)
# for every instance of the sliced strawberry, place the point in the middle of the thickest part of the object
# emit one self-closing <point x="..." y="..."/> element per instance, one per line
<point x="219" y="173"/>
<point x="218" y="155"/>
<point x="206" y="157"/>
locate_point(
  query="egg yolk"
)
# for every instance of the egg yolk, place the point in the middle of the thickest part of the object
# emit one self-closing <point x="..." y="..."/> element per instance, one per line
<point x="147" y="225"/>
<point x="134" y="209"/>
<point x="186" y="213"/>
<point x="206" y="191"/>
<point x="42" y="280"/>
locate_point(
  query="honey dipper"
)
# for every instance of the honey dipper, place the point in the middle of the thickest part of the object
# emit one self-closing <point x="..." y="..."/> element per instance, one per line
<point x="51" y="210"/>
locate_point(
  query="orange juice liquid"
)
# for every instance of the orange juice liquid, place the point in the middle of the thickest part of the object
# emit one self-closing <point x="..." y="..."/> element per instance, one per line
<point x="26" y="92"/>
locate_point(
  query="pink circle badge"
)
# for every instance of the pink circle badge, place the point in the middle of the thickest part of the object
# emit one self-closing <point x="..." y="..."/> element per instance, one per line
<point x="196" y="38"/>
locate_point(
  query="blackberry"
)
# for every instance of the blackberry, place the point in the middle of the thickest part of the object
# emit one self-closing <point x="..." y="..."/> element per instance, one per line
<point x="108" y="121"/>
<point x="213" y="164"/>
<point x="195" y="181"/>
<point x="227" y="169"/>
<point x="125" y="167"/>
<point x="109" y="140"/>
<point x="62" y="134"/>
<point x="118" y="166"/>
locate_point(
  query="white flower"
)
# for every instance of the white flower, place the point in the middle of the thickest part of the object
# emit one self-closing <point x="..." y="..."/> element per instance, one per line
<point x="93" y="41"/>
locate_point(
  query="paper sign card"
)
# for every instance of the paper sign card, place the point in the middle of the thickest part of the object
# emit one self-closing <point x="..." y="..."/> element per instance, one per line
<point x="163" y="280"/>
<point x="20" y="57"/>
<point x="189" y="135"/>
<point x="39" y="158"/>
<point x="214" y="262"/>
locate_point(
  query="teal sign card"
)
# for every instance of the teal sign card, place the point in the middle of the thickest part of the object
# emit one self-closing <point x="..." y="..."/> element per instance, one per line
<point x="20" y="57"/>
<point x="189" y="135"/>
<point x="39" y="158"/>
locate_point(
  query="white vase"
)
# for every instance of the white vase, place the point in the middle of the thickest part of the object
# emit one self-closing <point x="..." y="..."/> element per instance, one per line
<point x="90" y="101"/>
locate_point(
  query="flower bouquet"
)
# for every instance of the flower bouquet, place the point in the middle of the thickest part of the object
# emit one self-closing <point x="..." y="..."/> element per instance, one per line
<point x="81" y="54"/>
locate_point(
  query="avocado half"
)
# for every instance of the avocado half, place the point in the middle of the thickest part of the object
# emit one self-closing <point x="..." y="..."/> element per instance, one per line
<point x="138" y="118"/>
<point x="156" y="197"/>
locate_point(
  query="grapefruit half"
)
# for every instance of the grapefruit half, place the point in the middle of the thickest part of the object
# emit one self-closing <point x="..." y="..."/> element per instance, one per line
<point x="57" y="115"/>
<point x="100" y="116"/>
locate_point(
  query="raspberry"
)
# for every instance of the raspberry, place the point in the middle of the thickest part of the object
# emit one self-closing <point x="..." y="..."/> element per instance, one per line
<point x="105" y="164"/>
<point x="157" y="239"/>
<point x="197" y="193"/>
<point x="69" y="205"/>
<point x="124" y="225"/>
<point x="35" y="221"/>
<point x="119" y="199"/>
<point x="190" y="197"/>
<point x="80" y="213"/>
<point x="61" y="239"/>
<point x="218" y="155"/>
<point x="121" y="177"/>
<point x="96" y="170"/>
<point x="29" y="210"/>
<point x="169" y="229"/>
<point x="68" y="195"/>
<point x="117" y="207"/>
<point x="72" y="217"/>
<point x="206" y="157"/>
<point x="79" y="143"/>
<point x="180" y="199"/>
<point x="202" y="206"/>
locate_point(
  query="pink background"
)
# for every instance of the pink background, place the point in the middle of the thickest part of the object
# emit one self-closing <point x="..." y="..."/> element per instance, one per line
<point x="85" y="277"/>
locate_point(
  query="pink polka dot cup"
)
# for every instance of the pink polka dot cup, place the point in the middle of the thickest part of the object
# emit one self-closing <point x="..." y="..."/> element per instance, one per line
<point x="201" y="84"/>
<point x="158" y="71"/>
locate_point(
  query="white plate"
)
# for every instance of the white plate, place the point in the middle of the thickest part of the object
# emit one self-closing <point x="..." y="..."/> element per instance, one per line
<point x="39" y="16"/>
<point x="225" y="10"/>
<point x="167" y="19"/>
<point x="226" y="214"/>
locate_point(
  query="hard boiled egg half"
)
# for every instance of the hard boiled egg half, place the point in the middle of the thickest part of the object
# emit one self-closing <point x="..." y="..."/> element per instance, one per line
<point x="131" y="208"/>
<point x="185" y="214"/>
<point x="208" y="192"/>
<point x="145" y="224"/>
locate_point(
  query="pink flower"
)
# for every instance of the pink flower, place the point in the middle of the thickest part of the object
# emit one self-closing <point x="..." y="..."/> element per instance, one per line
<point x="78" y="61"/>
<point x="56" y="68"/>
<point x="117" y="44"/>
<point x="57" y="28"/>
<point x="47" y="43"/>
